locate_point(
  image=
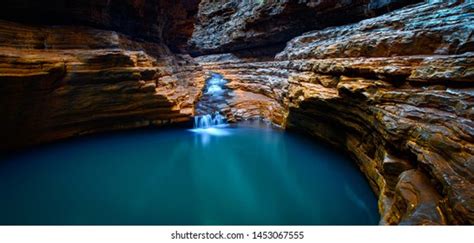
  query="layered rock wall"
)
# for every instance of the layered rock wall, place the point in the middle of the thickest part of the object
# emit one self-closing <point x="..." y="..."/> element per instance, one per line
<point x="395" y="91"/>
<point x="65" y="81"/>
<point x="163" y="21"/>
<point x="224" y="25"/>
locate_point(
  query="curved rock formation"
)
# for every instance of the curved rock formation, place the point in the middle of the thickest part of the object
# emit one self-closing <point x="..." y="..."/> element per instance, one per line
<point x="59" y="82"/>
<point x="395" y="91"/>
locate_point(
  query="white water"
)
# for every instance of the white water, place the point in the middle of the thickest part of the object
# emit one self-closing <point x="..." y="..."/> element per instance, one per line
<point x="215" y="90"/>
<point x="216" y="82"/>
<point x="213" y="125"/>
<point x="213" y="122"/>
<point x="208" y="121"/>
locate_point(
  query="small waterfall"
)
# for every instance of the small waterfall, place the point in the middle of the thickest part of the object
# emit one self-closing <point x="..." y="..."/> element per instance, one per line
<point x="208" y="121"/>
<point x="214" y="90"/>
<point x="212" y="102"/>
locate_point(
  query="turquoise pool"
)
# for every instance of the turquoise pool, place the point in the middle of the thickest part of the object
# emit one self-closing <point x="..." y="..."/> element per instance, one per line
<point x="232" y="175"/>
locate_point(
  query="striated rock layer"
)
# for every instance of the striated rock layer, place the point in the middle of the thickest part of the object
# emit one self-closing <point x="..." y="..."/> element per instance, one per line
<point x="395" y="91"/>
<point x="58" y="82"/>
<point x="224" y="25"/>
<point x="161" y="21"/>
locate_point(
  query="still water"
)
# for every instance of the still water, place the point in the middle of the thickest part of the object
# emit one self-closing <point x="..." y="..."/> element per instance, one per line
<point x="231" y="175"/>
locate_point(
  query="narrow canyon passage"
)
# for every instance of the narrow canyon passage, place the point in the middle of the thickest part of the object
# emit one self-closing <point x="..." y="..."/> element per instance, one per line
<point x="143" y="107"/>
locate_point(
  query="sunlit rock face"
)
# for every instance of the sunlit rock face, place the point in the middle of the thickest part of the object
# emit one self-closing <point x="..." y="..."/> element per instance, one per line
<point x="395" y="91"/>
<point x="224" y="26"/>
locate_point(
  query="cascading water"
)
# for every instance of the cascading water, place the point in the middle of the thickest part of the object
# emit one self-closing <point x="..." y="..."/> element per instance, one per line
<point x="207" y="121"/>
<point x="214" y="99"/>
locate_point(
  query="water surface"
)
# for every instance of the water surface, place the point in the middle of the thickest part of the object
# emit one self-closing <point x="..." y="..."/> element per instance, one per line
<point x="233" y="175"/>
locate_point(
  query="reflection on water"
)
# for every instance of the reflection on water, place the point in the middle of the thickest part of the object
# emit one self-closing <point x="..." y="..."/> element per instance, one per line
<point x="220" y="175"/>
<point x="205" y="134"/>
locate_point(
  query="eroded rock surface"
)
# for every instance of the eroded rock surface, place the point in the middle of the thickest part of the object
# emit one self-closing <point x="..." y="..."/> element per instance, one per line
<point x="59" y="82"/>
<point x="224" y="26"/>
<point x="395" y="91"/>
<point x="163" y="21"/>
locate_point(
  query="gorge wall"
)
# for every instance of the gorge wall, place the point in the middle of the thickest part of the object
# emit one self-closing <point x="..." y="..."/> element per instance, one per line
<point x="395" y="91"/>
<point x="390" y="85"/>
<point x="65" y="77"/>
